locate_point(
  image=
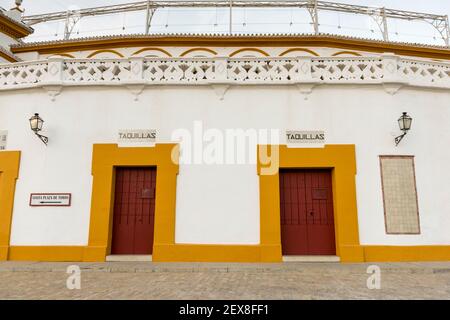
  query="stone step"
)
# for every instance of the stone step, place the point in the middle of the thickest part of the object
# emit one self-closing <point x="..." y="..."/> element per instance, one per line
<point x="129" y="258"/>
<point x="318" y="259"/>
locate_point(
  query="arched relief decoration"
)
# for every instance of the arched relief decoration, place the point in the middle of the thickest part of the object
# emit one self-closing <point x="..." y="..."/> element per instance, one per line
<point x="346" y="54"/>
<point x="61" y="55"/>
<point x="105" y="54"/>
<point x="293" y="52"/>
<point x="248" y="53"/>
<point x="199" y="53"/>
<point x="152" y="52"/>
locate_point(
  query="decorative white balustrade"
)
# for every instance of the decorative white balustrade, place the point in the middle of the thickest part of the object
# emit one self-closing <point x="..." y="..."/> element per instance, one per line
<point x="95" y="71"/>
<point x="433" y="73"/>
<point x="263" y="70"/>
<point x="23" y="73"/>
<point x="348" y="69"/>
<point x="386" y="69"/>
<point x="179" y="70"/>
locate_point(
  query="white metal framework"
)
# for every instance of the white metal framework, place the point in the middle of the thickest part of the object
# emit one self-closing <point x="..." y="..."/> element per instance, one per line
<point x="380" y="15"/>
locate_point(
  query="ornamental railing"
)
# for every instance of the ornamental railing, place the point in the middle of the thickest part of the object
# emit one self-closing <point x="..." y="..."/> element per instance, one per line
<point x="384" y="69"/>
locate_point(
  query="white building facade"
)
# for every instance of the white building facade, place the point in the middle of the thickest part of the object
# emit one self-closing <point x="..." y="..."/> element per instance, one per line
<point x="229" y="148"/>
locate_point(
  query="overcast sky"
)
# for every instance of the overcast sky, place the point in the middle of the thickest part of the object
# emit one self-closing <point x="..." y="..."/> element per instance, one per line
<point x="245" y="20"/>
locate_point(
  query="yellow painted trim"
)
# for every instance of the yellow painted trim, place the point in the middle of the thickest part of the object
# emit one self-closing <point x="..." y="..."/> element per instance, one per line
<point x="152" y="49"/>
<point x="406" y="253"/>
<point x="338" y="42"/>
<point x="339" y="158"/>
<point x="340" y="53"/>
<point x="7" y="57"/>
<point x="198" y="49"/>
<point x="9" y="172"/>
<point x="67" y="55"/>
<point x="299" y="50"/>
<point x="14" y="29"/>
<point x="46" y="254"/>
<point x="342" y="160"/>
<point x="105" y="158"/>
<point x="249" y="49"/>
<point x="217" y="253"/>
<point x="93" y="54"/>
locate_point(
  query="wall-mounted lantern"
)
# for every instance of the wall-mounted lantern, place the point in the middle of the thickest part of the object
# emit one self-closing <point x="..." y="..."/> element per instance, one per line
<point x="404" y="122"/>
<point x="36" y="124"/>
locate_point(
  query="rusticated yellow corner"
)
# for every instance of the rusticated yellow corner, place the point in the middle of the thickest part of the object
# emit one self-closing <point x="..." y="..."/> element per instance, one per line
<point x="9" y="172"/>
<point x="342" y="160"/>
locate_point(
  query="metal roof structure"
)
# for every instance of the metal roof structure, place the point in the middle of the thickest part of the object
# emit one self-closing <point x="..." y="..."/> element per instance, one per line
<point x="380" y="15"/>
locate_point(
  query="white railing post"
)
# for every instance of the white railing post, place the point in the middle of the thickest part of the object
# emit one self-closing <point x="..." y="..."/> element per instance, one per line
<point x="392" y="82"/>
<point x="135" y="82"/>
<point x="304" y="80"/>
<point x="390" y="67"/>
<point x="221" y="69"/>
<point x="304" y="70"/>
<point x="136" y="70"/>
<point x="53" y="81"/>
<point x="221" y="82"/>
<point x="55" y="71"/>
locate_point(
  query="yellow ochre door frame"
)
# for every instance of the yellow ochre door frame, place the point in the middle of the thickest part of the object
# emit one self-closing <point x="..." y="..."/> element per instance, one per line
<point x="105" y="158"/>
<point x="341" y="159"/>
<point x="9" y="172"/>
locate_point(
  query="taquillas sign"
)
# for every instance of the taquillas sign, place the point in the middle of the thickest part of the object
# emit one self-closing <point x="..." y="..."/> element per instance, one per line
<point x="137" y="136"/>
<point x="305" y="136"/>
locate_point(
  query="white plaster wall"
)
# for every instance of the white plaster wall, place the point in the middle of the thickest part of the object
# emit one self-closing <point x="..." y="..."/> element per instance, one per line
<point x="217" y="204"/>
<point x="30" y="56"/>
<point x="6" y="40"/>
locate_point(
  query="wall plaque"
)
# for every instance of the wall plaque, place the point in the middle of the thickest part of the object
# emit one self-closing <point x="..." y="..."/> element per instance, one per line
<point x="137" y="136"/>
<point x="296" y="137"/>
<point x="50" y="200"/>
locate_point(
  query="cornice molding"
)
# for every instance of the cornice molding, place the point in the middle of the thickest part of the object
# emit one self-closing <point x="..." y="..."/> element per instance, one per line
<point x="13" y="28"/>
<point x="289" y="41"/>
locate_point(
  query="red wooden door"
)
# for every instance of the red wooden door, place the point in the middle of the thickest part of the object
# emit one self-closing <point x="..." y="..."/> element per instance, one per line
<point x="306" y="208"/>
<point x="134" y="211"/>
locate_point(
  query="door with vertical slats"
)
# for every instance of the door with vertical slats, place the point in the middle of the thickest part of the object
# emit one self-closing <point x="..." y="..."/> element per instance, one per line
<point x="306" y="208"/>
<point x="134" y="211"/>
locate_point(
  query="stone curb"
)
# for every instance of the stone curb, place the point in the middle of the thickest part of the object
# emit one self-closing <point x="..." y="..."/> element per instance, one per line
<point x="325" y="269"/>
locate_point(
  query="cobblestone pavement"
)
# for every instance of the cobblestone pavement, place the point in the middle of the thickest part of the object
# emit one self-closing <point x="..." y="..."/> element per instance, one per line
<point x="224" y="281"/>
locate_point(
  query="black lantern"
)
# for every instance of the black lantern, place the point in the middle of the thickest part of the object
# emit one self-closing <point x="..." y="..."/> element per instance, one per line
<point x="36" y="124"/>
<point x="404" y="122"/>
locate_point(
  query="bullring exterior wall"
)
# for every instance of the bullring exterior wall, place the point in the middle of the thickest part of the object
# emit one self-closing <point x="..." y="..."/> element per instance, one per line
<point x="220" y="204"/>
